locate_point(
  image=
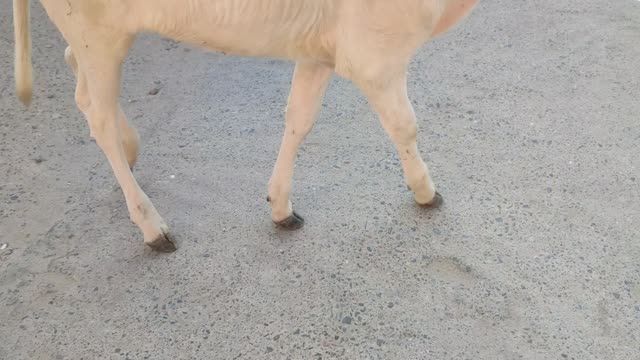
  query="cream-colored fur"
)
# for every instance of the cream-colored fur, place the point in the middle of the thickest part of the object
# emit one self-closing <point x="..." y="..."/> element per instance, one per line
<point x="367" y="41"/>
<point x="22" y="35"/>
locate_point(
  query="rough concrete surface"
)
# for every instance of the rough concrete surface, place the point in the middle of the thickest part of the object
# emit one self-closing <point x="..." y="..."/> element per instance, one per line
<point x="529" y="119"/>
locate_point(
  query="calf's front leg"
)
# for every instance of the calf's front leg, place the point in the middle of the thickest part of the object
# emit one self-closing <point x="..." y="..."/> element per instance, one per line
<point x="388" y="97"/>
<point x="309" y="84"/>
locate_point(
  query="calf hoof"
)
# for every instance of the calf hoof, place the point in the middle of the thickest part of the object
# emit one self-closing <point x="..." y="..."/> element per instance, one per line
<point x="293" y="222"/>
<point x="162" y="244"/>
<point x="436" y="202"/>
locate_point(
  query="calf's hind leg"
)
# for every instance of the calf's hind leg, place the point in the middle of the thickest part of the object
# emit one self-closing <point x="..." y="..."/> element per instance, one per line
<point x="98" y="70"/>
<point x="129" y="134"/>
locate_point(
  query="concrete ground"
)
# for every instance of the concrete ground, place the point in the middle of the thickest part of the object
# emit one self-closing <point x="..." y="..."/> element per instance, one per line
<point x="529" y="119"/>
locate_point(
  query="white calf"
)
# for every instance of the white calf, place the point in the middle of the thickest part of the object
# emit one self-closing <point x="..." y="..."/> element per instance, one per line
<point x="367" y="41"/>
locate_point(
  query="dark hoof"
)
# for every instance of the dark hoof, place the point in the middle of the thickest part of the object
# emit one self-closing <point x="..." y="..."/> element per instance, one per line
<point x="293" y="222"/>
<point x="436" y="202"/>
<point x="162" y="244"/>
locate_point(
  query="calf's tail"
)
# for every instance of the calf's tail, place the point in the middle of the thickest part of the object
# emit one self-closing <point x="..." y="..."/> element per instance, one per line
<point x="23" y="67"/>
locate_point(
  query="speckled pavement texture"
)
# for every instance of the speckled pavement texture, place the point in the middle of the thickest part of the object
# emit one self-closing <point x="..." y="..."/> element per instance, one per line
<point x="529" y="119"/>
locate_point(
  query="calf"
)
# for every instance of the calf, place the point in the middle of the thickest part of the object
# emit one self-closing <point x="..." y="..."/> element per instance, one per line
<point x="369" y="42"/>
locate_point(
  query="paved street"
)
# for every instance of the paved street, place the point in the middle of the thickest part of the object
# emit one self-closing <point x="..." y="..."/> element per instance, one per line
<point x="529" y="118"/>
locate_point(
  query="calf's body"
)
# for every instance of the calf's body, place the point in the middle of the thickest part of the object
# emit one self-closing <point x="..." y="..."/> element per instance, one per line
<point x="367" y="41"/>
